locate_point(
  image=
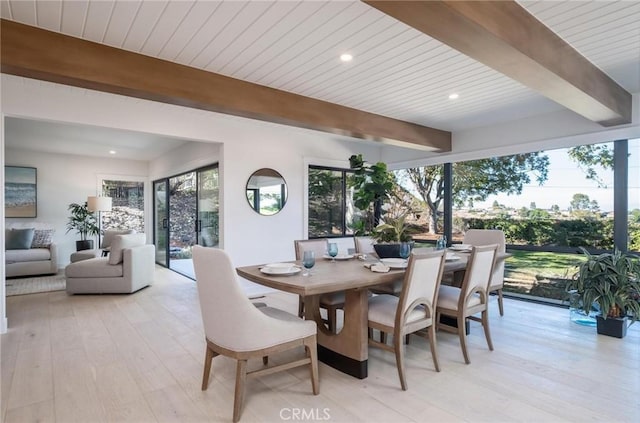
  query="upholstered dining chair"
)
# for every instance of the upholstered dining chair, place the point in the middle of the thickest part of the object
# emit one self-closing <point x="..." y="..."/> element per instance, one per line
<point x="331" y="302"/>
<point x="364" y="245"/>
<point x="486" y="237"/>
<point x="413" y="311"/>
<point x="235" y="328"/>
<point x="471" y="298"/>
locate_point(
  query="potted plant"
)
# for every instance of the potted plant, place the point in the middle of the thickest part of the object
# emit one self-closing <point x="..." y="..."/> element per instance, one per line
<point x="84" y="223"/>
<point x="390" y="234"/>
<point x="372" y="184"/>
<point x="611" y="281"/>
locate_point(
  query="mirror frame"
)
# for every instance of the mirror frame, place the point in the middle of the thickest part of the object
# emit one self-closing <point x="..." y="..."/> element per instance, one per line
<point x="263" y="178"/>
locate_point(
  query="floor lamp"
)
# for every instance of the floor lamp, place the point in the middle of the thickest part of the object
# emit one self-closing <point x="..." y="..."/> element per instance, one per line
<point x="99" y="204"/>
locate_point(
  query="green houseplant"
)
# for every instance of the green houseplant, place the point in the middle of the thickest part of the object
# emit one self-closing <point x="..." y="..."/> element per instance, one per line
<point x="372" y="186"/>
<point x="374" y="196"/>
<point x="612" y="282"/>
<point x="84" y="223"/>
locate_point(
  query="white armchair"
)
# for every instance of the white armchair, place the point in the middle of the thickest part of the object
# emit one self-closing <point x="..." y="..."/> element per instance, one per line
<point x="129" y="267"/>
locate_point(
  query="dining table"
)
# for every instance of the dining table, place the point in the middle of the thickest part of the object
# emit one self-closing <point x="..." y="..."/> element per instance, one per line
<point x="346" y="349"/>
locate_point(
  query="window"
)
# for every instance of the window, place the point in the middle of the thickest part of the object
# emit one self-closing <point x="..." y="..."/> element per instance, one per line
<point x="634" y="195"/>
<point x="331" y="210"/>
<point x="127" y="210"/>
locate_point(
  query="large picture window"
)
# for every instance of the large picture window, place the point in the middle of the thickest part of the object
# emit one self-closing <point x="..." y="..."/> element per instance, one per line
<point x="548" y="203"/>
<point x="127" y="204"/>
<point x="330" y="203"/>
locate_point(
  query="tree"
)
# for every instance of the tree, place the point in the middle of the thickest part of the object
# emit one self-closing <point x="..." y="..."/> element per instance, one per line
<point x="581" y="205"/>
<point x="476" y="180"/>
<point x="589" y="157"/>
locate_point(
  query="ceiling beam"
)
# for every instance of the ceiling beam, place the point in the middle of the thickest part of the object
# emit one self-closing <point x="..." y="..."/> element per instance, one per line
<point x="35" y="53"/>
<point x="507" y="38"/>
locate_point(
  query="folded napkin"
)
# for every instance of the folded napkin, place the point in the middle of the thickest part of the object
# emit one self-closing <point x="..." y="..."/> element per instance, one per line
<point x="380" y="268"/>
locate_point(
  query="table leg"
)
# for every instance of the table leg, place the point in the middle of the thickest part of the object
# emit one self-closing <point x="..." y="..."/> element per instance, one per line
<point x="346" y="350"/>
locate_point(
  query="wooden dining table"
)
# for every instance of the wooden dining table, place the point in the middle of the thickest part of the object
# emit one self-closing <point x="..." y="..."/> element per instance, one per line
<point x="346" y="350"/>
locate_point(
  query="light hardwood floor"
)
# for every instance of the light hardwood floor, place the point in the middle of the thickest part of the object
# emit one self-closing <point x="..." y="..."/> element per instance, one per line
<point x="138" y="358"/>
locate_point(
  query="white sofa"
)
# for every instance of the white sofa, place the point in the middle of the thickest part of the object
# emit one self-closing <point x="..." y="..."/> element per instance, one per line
<point x="31" y="262"/>
<point x="129" y="267"/>
<point x="30" y="252"/>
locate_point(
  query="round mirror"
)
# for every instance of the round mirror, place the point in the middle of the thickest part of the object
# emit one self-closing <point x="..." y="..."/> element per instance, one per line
<point x="266" y="191"/>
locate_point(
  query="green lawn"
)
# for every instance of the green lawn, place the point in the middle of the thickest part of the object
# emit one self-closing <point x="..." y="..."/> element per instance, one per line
<point x="540" y="274"/>
<point x="555" y="265"/>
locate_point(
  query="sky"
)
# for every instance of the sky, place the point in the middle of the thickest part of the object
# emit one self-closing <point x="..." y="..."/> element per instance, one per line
<point x="565" y="179"/>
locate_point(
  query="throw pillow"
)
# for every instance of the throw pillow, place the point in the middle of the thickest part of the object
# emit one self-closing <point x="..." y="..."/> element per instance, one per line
<point x="107" y="239"/>
<point x="42" y="238"/>
<point x="18" y="239"/>
<point x="122" y="242"/>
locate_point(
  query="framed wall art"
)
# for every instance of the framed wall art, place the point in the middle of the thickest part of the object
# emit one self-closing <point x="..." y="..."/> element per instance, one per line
<point x="20" y="191"/>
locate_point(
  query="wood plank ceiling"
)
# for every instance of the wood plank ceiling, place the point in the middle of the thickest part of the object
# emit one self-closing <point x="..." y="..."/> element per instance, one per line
<point x="397" y="71"/>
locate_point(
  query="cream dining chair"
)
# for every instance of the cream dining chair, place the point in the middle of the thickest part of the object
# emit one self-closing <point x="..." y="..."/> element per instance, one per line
<point x="471" y="298"/>
<point x="331" y="302"/>
<point x="413" y="311"/>
<point x="364" y="245"/>
<point x="235" y="328"/>
<point x="485" y="237"/>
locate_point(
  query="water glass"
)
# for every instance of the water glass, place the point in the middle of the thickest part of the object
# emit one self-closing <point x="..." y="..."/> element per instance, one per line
<point x="308" y="261"/>
<point x="441" y="244"/>
<point x="333" y="250"/>
<point x="405" y="250"/>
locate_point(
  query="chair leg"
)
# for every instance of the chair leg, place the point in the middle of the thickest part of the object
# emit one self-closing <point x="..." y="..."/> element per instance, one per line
<point x="485" y="326"/>
<point x="241" y="377"/>
<point x="383" y="337"/>
<point x="312" y="353"/>
<point x="300" y="306"/>
<point x="399" y="350"/>
<point x="406" y="338"/>
<point x="208" y="358"/>
<point x="265" y="360"/>
<point x="500" y="305"/>
<point x="463" y="338"/>
<point x="432" y="344"/>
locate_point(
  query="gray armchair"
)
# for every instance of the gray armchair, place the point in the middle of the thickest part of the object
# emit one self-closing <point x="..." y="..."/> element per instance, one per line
<point x="129" y="267"/>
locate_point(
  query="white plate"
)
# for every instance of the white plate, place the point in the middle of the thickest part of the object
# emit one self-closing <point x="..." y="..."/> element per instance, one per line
<point x="461" y="247"/>
<point x="291" y="270"/>
<point x="340" y="257"/>
<point x="395" y="263"/>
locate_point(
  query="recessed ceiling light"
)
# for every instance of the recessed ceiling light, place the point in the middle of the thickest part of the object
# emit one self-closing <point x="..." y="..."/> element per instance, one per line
<point x="112" y="151"/>
<point x="453" y="96"/>
<point x="346" y="57"/>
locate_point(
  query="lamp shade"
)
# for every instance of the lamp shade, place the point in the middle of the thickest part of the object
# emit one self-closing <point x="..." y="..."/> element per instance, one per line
<point x="101" y="204"/>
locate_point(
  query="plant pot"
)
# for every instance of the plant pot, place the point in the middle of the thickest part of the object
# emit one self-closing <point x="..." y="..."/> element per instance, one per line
<point x="86" y="244"/>
<point x="612" y="326"/>
<point x="387" y="250"/>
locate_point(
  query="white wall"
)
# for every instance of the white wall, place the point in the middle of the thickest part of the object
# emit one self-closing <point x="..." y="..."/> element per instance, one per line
<point x="183" y="159"/>
<point x="63" y="180"/>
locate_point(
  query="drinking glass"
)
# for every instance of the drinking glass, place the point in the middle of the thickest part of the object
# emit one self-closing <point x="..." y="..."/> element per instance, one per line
<point x="333" y="250"/>
<point x="405" y="250"/>
<point x="442" y="243"/>
<point x="308" y="261"/>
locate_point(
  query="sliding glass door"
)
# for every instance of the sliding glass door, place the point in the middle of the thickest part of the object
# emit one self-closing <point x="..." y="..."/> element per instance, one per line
<point x="187" y="215"/>
<point x="161" y="221"/>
